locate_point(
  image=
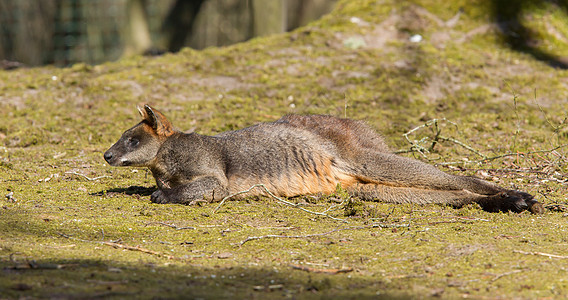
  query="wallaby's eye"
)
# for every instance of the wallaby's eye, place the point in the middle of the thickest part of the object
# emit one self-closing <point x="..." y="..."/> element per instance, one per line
<point x="133" y="142"/>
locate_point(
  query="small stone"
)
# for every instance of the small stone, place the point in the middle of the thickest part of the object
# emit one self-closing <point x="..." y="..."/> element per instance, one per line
<point x="416" y="38"/>
<point x="225" y="255"/>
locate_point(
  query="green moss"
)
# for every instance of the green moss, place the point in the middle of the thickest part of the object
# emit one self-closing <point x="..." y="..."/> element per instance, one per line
<point x="59" y="121"/>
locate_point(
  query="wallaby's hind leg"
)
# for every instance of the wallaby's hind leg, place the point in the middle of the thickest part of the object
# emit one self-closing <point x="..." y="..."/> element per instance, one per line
<point x="503" y="201"/>
<point x="391" y="169"/>
<point x="399" y="179"/>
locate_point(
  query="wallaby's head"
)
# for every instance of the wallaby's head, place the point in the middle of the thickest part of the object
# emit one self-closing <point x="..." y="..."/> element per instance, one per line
<point x="139" y="145"/>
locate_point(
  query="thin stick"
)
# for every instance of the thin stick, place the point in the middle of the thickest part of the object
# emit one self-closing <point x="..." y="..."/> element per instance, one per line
<point x="383" y="225"/>
<point x="415" y="145"/>
<point x="84" y="176"/>
<point x="137" y="248"/>
<point x="121" y="246"/>
<point x="518" y="129"/>
<point x="252" y="238"/>
<point x="504" y="170"/>
<point x="505" y="274"/>
<point x="435" y="140"/>
<point x="279" y="200"/>
<point x="325" y="271"/>
<point x="175" y="227"/>
<point x="507" y="155"/>
<point x="463" y="145"/>
<point x="541" y="254"/>
<point x="374" y="225"/>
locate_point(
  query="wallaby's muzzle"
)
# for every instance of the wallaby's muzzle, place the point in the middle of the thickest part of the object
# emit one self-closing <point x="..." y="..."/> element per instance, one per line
<point x="108" y="156"/>
<point x="111" y="158"/>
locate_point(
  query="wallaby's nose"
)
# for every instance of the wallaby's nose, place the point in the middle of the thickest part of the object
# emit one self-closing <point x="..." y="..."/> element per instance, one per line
<point x="108" y="156"/>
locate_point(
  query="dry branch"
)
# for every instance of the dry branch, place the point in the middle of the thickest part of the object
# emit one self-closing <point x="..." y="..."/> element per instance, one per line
<point x="295" y="205"/>
<point x="138" y="248"/>
<point x="252" y="238"/>
<point x="374" y="225"/>
<point x="121" y="246"/>
<point x="416" y="145"/>
<point x="86" y="177"/>
<point x="505" y="274"/>
<point x="325" y="271"/>
<point x="175" y="227"/>
<point x="509" y="154"/>
<point x="541" y="254"/>
<point x="502" y="170"/>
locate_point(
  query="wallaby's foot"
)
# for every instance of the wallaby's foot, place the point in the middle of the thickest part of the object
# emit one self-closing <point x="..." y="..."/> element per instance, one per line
<point x="535" y="207"/>
<point x="511" y="200"/>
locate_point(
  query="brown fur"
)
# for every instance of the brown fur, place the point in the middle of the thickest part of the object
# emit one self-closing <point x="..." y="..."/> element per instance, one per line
<point x="296" y="155"/>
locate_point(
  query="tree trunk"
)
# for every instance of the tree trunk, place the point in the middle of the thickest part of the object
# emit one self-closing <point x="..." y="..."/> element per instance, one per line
<point x="137" y="35"/>
<point x="269" y="16"/>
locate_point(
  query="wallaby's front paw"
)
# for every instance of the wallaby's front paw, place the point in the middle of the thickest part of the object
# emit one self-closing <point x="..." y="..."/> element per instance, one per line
<point x="531" y="205"/>
<point x="514" y="201"/>
<point x="158" y="197"/>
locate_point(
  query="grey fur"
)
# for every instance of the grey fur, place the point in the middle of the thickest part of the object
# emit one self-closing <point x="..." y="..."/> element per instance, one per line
<point x="296" y="155"/>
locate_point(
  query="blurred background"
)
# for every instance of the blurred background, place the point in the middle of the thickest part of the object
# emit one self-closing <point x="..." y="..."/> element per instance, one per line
<point x="64" y="32"/>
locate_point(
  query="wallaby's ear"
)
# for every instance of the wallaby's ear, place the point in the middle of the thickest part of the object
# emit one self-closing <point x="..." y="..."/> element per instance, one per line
<point x="142" y="112"/>
<point x="157" y="120"/>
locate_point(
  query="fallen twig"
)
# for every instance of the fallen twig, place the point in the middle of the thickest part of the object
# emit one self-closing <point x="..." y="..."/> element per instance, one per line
<point x="121" y="246"/>
<point x="506" y="155"/>
<point x="86" y="177"/>
<point x="326" y="271"/>
<point x="402" y="276"/>
<point x="169" y="225"/>
<point x="279" y="200"/>
<point x="138" y="248"/>
<point x="541" y="254"/>
<point x="384" y="225"/>
<point x="505" y="274"/>
<point x="175" y="227"/>
<point x="374" y="225"/>
<point x="502" y="170"/>
<point x="252" y="238"/>
<point x="463" y="145"/>
<point x="457" y="219"/>
<point x="416" y="145"/>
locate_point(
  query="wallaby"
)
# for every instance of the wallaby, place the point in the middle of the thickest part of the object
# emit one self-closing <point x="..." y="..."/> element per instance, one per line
<point x="296" y="155"/>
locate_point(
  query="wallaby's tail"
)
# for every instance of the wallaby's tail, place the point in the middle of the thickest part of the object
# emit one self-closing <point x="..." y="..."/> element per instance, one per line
<point x="394" y="194"/>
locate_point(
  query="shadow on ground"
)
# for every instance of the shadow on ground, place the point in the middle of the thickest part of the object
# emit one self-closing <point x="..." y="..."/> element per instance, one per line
<point x="519" y="37"/>
<point x="133" y="190"/>
<point x="89" y="279"/>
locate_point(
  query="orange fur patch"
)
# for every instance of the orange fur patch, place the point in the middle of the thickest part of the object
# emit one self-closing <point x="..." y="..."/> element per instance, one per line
<point x="296" y="182"/>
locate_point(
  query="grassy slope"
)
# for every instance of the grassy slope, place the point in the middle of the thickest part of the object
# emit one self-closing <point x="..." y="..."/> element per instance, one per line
<point x="55" y="121"/>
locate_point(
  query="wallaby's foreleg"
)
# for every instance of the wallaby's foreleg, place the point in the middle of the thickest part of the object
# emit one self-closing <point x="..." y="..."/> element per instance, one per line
<point x="203" y="188"/>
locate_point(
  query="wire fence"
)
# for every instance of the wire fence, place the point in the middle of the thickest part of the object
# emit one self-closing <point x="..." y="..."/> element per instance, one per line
<point x="64" y="32"/>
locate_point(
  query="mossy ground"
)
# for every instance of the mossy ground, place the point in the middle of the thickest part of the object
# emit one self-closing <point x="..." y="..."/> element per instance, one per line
<point x="58" y="228"/>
